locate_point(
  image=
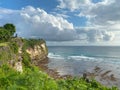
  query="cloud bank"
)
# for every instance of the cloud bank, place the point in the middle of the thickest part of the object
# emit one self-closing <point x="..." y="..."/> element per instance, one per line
<point x="102" y="16"/>
<point x="105" y="12"/>
<point x="37" y="23"/>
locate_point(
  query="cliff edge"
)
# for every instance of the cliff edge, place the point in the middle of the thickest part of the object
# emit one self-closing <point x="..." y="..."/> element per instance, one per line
<point x="37" y="53"/>
<point x="18" y="52"/>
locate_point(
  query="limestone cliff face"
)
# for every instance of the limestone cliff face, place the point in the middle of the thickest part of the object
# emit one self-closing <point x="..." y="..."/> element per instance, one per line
<point x="38" y="53"/>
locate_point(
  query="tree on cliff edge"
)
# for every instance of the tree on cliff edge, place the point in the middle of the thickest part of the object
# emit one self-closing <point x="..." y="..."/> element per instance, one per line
<point x="10" y="27"/>
<point x="6" y="32"/>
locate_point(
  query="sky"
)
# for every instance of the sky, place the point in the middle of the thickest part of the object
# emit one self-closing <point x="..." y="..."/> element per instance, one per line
<point x="64" y="22"/>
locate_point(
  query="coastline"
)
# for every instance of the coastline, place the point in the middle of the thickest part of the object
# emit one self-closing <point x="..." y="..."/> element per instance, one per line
<point x="106" y="78"/>
<point x="43" y="66"/>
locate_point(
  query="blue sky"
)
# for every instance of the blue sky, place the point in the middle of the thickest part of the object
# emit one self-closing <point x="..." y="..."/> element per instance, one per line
<point x="64" y="22"/>
<point x="18" y="4"/>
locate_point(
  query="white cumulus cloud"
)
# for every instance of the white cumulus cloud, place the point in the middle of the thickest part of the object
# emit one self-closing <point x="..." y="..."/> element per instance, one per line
<point x="92" y="34"/>
<point x="104" y="16"/>
<point x="35" y="22"/>
<point x="73" y="4"/>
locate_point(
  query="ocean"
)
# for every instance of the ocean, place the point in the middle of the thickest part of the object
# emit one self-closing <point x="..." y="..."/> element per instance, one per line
<point x="75" y="60"/>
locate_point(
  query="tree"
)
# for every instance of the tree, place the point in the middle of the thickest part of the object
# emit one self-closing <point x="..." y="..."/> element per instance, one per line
<point x="10" y="27"/>
<point x="6" y="32"/>
<point x="4" y="35"/>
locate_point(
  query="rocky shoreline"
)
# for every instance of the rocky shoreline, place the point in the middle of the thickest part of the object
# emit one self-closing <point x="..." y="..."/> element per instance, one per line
<point x="53" y="73"/>
<point x="106" y="78"/>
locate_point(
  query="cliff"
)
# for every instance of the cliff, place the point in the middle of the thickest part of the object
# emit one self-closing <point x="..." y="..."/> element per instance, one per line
<point x="37" y="53"/>
<point x="19" y="52"/>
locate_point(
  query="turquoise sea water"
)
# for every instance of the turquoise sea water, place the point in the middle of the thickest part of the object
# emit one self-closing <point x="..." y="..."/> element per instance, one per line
<point x="90" y="51"/>
<point x="75" y="60"/>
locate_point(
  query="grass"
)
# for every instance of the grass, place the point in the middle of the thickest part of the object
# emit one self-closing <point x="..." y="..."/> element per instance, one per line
<point x="4" y="44"/>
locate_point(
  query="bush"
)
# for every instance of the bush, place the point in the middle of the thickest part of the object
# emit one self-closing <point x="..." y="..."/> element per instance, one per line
<point x="26" y="59"/>
<point x="4" y="35"/>
<point x="14" y="47"/>
<point x="6" y="32"/>
<point x="32" y="42"/>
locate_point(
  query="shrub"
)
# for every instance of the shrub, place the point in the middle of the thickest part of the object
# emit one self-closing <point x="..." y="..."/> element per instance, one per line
<point x="14" y="47"/>
<point x="32" y="42"/>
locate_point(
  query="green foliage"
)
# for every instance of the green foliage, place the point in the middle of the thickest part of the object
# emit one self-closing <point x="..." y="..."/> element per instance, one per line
<point x="4" y="35"/>
<point x="14" y="47"/>
<point x="5" y="54"/>
<point x="81" y="84"/>
<point x="6" y="32"/>
<point x="31" y="79"/>
<point x="32" y="42"/>
<point x="10" y="27"/>
<point x="26" y="59"/>
<point x="6" y="74"/>
<point x="4" y="44"/>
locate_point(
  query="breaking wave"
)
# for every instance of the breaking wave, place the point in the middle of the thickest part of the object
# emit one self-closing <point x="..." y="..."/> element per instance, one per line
<point x="55" y="56"/>
<point x="81" y="57"/>
<point x="84" y="58"/>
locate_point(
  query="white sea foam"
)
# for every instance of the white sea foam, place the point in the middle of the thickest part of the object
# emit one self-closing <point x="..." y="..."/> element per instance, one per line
<point x="55" y="56"/>
<point x="81" y="58"/>
<point x="84" y="58"/>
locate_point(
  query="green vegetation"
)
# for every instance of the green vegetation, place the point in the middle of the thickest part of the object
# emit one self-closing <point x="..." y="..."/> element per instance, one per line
<point x="32" y="42"/>
<point x="6" y="32"/>
<point x="26" y="59"/>
<point x="3" y="44"/>
<point x="14" y="47"/>
<point x="10" y="27"/>
<point x="8" y="51"/>
<point x="32" y="78"/>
